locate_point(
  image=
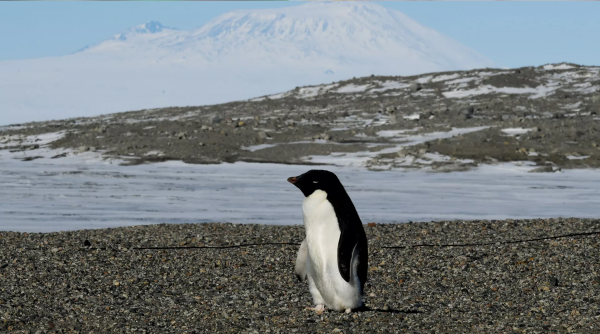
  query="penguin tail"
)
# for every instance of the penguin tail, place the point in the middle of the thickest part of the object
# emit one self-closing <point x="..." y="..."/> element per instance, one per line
<point x="354" y="279"/>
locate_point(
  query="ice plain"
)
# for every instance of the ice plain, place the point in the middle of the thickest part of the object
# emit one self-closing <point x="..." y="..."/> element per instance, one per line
<point x="84" y="191"/>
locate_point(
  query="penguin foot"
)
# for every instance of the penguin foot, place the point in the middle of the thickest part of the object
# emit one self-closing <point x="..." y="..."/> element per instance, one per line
<point x="348" y="310"/>
<point x="319" y="308"/>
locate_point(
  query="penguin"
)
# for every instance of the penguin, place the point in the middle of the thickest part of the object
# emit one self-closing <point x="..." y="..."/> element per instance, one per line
<point x="334" y="254"/>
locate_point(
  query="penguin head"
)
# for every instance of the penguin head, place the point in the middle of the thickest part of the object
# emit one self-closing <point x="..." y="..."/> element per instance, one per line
<point x="316" y="179"/>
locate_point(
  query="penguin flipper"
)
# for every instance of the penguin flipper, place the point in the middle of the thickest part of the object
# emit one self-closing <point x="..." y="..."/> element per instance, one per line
<point x="300" y="269"/>
<point x="348" y="241"/>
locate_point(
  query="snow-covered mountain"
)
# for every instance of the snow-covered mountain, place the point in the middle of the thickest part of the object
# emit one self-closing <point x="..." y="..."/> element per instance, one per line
<point x="238" y="55"/>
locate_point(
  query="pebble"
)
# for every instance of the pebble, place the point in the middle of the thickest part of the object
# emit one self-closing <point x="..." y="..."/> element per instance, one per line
<point x="261" y="136"/>
<point x="470" y="110"/>
<point x="416" y="86"/>
<point x="322" y="136"/>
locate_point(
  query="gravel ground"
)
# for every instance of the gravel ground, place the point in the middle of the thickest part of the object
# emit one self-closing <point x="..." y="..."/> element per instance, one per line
<point x="113" y="280"/>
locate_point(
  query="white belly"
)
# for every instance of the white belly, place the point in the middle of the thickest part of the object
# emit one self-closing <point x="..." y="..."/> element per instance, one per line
<point x="322" y="237"/>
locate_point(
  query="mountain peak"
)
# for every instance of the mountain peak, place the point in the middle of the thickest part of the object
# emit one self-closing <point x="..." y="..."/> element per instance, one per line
<point x="248" y="53"/>
<point x="341" y="34"/>
<point x="340" y="37"/>
<point x="152" y="27"/>
<point x="320" y="8"/>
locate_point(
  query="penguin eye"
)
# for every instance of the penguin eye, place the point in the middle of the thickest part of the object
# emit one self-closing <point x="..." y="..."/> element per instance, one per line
<point x="315" y="181"/>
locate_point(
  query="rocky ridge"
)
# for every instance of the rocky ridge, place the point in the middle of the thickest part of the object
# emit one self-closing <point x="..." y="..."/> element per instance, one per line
<point x="546" y="116"/>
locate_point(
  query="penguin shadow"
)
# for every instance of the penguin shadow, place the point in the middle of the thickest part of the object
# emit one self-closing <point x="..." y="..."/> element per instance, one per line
<point x="389" y="310"/>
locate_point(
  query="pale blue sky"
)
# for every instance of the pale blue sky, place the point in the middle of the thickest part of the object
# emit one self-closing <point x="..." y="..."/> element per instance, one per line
<point x="512" y="34"/>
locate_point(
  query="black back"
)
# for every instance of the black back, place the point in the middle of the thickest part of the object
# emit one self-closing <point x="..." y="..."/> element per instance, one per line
<point x="353" y="237"/>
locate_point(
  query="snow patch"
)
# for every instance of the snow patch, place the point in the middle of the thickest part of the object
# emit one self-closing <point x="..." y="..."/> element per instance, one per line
<point x="389" y="85"/>
<point x="157" y="153"/>
<point x="516" y="131"/>
<point x="488" y="89"/>
<point x="41" y="139"/>
<point x="359" y="159"/>
<point x="395" y="133"/>
<point x="352" y="88"/>
<point x="412" y="117"/>
<point x="558" y="67"/>
<point x="424" y="79"/>
<point x="258" y="147"/>
<point x="445" y="77"/>
<point x="577" y="157"/>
